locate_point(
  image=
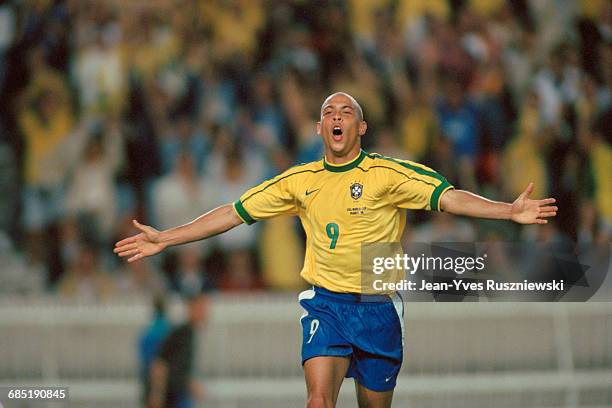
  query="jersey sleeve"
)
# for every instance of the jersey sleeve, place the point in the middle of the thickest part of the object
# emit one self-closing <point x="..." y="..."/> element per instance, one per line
<point x="270" y="198"/>
<point x="417" y="187"/>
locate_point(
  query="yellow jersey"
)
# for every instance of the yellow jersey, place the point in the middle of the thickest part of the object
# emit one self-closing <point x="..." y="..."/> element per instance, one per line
<point x="343" y="206"/>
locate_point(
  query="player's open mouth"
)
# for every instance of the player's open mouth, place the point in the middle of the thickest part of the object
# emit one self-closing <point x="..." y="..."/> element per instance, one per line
<point x="337" y="133"/>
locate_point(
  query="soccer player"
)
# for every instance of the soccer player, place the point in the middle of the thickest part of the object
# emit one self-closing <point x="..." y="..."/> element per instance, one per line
<point x="346" y="198"/>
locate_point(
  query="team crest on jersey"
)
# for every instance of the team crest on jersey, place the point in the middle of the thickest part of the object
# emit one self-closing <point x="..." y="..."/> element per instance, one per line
<point x="356" y="190"/>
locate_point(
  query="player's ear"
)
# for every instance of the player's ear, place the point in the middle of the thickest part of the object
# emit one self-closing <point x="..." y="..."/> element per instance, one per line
<point x="363" y="126"/>
<point x="318" y="128"/>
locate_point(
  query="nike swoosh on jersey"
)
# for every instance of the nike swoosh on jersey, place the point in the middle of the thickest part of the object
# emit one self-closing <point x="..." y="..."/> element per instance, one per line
<point x="312" y="191"/>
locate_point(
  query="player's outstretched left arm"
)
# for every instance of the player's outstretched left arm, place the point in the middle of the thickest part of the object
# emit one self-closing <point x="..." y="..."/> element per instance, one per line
<point x="523" y="210"/>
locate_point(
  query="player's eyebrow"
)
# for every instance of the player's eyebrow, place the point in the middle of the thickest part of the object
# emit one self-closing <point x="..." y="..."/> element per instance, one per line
<point x="331" y="105"/>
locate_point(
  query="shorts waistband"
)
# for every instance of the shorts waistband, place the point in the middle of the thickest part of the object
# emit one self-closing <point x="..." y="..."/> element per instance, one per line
<point x="351" y="297"/>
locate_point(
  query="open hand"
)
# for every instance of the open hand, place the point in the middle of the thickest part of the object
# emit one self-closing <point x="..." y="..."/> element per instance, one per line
<point x="147" y="243"/>
<point x="528" y="211"/>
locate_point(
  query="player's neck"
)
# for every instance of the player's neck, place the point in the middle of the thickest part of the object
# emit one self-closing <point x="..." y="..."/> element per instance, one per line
<point x="339" y="160"/>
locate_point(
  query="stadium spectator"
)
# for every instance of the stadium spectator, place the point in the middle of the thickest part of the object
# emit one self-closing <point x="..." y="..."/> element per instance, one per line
<point x="309" y="146"/>
<point x="98" y="69"/>
<point x="444" y="228"/>
<point x="182" y="136"/>
<point x="173" y="383"/>
<point x="523" y="157"/>
<point x="601" y="168"/>
<point x="191" y="278"/>
<point x="387" y="145"/>
<point x="17" y="275"/>
<point x="7" y="33"/>
<point x="266" y="112"/>
<point x="85" y="280"/>
<point x="459" y="123"/>
<point x="418" y="126"/>
<point x="181" y="192"/>
<point x="92" y="190"/>
<point x="9" y="185"/>
<point x="235" y="169"/>
<point x="239" y="275"/>
<point x="149" y="343"/>
<point x="45" y="119"/>
<point x="235" y="25"/>
<point x="140" y="280"/>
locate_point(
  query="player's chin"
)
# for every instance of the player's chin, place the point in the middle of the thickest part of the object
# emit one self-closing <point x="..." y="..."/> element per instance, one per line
<point x="337" y="147"/>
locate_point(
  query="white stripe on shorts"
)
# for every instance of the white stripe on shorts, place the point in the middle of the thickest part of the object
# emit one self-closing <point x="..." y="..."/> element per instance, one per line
<point x="398" y="303"/>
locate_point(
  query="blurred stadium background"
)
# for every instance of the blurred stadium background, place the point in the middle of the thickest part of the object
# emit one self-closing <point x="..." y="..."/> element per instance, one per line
<point x="163" y="109"/>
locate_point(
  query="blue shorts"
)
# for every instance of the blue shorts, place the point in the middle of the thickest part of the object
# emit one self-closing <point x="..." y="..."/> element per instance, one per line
<point x="367" y="328"/>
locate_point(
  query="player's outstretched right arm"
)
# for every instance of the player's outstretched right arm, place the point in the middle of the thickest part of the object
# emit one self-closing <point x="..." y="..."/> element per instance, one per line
<point x="151" y="241"/>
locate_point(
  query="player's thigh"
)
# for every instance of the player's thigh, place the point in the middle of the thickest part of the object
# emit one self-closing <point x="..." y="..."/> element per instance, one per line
<point x="367" y="398"/>
<point x="324" y="376"/>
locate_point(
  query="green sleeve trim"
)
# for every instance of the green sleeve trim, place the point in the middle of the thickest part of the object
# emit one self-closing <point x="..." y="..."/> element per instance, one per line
<point x="242" y="213"/>
<point x="434" y="202"/>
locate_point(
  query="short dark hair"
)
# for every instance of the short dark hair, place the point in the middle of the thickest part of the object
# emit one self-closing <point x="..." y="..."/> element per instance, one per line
<point x="356" y="104"/>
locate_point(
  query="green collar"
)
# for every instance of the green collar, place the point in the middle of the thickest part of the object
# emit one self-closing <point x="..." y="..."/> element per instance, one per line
<point x="346" y="166"/>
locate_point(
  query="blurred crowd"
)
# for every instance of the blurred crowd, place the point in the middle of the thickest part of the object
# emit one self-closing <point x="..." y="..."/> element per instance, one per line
<point x="161" y="110"/>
